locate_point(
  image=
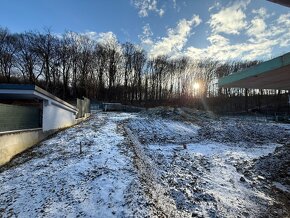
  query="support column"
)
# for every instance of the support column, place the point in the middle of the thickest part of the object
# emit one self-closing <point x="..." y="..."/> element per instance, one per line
<point x="289" y="104"/>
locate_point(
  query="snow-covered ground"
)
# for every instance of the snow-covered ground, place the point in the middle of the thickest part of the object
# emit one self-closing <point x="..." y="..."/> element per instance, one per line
<point x="203" y="178"/>
<point x="134" y="165"/>
<point x="200" y="166"/>
<point x="55" y="180"/>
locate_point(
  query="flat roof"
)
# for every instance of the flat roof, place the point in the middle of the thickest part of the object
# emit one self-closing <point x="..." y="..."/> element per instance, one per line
<point x="27" y="91"/>
<point x="281" y="2"/>
<point x="272" y="74"/>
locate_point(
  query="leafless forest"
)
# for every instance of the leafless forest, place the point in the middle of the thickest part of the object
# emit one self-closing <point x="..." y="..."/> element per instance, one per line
<point x="75" y="65"/>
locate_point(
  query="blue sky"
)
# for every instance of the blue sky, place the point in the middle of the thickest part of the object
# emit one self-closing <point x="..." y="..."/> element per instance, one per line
<point x="225" y="30"/>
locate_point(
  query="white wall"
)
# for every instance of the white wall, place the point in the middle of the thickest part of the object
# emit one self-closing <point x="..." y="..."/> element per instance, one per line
<point x="56" y="117"/>
<point x="18" y="141"/>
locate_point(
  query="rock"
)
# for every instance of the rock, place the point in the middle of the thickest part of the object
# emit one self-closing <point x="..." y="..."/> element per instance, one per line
<point x="260" y="178"/>
<point x="247" y="173"/>
<point x="242" y="179"/>
<point x="246" y="214"/>
<point x="195" y="213"/>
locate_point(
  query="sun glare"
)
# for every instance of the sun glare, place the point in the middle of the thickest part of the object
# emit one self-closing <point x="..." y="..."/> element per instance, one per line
<point x="196" y="86"/>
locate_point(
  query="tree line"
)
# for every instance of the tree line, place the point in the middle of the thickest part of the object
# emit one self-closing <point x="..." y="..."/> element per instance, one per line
<point x="75" y="65"/>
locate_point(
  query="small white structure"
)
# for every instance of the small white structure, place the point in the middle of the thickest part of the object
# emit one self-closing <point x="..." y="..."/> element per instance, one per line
<point x="54" y="114"/>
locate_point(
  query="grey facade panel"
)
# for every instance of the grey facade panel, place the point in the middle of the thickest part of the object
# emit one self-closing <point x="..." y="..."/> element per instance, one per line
<point x="14" y="117"/>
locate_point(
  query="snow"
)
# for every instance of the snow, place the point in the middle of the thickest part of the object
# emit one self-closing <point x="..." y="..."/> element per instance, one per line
<point x="58" y="181"/>
<point x="161" y="130"/>
<point x="200" y="167"/>
<point x="281" y="187"/>
<point x="223" y="180"/>
<point x="217" y="175"/>
<point x="225" y="151"/>
<point x="133" y="165"/>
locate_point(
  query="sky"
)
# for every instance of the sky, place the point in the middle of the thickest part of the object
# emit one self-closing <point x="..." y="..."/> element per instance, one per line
<point x="217" y="29"/>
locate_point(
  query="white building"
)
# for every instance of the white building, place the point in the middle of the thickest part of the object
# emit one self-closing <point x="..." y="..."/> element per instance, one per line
<point x="21" y="127"/>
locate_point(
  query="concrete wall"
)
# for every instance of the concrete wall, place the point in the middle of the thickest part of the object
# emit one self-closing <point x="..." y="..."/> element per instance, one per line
<point x="83" y="106"/>
<point x="120" y="107"/>
<point x="15" y="142"/>
<point x="56" y="117"/>
<point x="18" y="141"/>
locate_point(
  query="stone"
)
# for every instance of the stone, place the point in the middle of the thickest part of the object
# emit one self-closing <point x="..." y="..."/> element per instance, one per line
<point x="242" y="179"/>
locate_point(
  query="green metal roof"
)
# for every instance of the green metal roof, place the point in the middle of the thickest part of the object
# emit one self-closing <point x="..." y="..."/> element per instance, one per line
<point x="272" y="74"/>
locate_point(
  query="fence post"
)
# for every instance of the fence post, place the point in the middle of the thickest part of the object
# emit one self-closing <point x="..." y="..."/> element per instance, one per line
<point x="81" y="151"/>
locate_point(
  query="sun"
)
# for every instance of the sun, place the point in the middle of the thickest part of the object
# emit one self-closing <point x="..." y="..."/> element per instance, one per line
<point x="196" y="86"/>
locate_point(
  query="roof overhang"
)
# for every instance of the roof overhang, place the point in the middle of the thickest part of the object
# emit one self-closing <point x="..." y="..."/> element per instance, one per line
<point x="281" y="2"/>
<point x="15" y="91"/>
<point x="272" y="74"/>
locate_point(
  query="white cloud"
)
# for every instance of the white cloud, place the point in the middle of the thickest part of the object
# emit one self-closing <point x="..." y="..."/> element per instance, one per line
<point x="176" y="38"/>
<point x="174" y="4"/>
<point x="216" y="5"/>
<point x="284" y="23"/>
<point x="263" y="38"/>
<point x="146" y="37"/>
<point x="177" y="6"/>
<point x="107" y="38"/>
<point x="110" y="40"/>
<point x="258" y="27"/>
<point x="244" y="51"/>
<point x="103" y="37"/>
<point x="262" y="12"/>
<point x="230" y="20"/>
<point x="261" y="34"/>
<point x="91" y="34"/>
<point x="146" y="6"/>
<point x="218" y="40"/>
<point x="284" y="19"/>
<point x="147" y="30"/>
<point x="277" y="31"/>
<point x="161" y="12"/>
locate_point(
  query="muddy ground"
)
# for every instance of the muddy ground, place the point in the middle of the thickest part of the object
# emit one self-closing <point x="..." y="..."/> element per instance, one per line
<point x="164" y="162"/>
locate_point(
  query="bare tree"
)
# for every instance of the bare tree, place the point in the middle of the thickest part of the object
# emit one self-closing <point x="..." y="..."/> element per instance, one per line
<point x="139" y="60"/>
<point x="27" y="60"/>
<point x="45" y="50"/>
<point x="7" y="53"/>
<point x="101" y="66"/>
<point x="65" y="53"/>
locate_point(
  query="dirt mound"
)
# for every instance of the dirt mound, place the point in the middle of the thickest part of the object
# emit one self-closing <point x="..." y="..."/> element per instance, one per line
<point x="276" y="167"/>
<point x="181" y="114"/>
<point x="237" y="130"/>
<point x="163" y="130"/>
<point x="272" y="173"/>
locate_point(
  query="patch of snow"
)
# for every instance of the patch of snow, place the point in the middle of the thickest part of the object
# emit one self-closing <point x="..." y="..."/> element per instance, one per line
<point x="216" y="174"/>
<point x="236" y="151"/>
<point x="281" y="187"/>
<point x="58" y="181"/>
<point x="224" y="182"/>
<point x="162" y="130"/>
